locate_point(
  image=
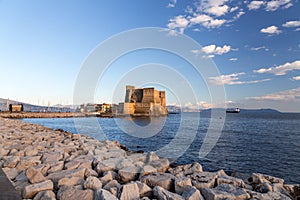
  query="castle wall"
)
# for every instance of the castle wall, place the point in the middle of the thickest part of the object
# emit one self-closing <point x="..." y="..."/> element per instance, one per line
<point x="156" y="97"/>
<point x="127" y="108"/>
<point x="143" y="108"/>
<point x="162" y="95"/>
<point x="144" y="101"/>
<point x="148" y="95"/>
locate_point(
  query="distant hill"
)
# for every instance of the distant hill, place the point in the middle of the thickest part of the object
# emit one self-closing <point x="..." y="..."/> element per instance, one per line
<point x="261" y="111"/>
<point x="34" y="108"/>
<point x="187" y="109"/>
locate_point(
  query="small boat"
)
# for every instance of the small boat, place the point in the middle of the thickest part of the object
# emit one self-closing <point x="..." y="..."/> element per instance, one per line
<point x="233" y="110"/>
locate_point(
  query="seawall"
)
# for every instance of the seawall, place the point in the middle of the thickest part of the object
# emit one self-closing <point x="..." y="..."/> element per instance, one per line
<point x="46" y="164"/>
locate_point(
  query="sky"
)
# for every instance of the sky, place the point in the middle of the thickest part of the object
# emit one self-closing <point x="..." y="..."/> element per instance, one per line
<point x="255" y="46"/>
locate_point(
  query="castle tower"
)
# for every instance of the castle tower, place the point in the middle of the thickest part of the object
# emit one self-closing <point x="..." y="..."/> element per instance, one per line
<point x="129" y="91"/>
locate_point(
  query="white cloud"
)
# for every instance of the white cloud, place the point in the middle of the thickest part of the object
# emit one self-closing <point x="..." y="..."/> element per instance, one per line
<point x="276" y="4"/>
<point x="233" y="59"/>
<point x="271" y="30"/>
<point x="292" y="24"/>
<point x="207" y="13"/>
<point x="218" y="10"/>
<point x="287" y="95"/>
<point x="178" y="22"/>
<point x="233" y="9"/>
<point x="259" y="48"/>
<point x="281" y="69"/>
<point x="204" y="105"/>
<point x="238" y="15"/>
<point x="207" y="21"/>
<point x="254" y="5"/>
<point x="213" y="49"/>
<point x="231" y="79"/>
<point x="214" y="7"/>
<point x="296" y="78"/>
<point x="172" y="3"/>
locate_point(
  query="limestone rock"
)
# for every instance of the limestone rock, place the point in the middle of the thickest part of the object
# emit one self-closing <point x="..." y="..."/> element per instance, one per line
<point x="107" y="165"/>
<point x="20" y="185"/>
<point x="128" y="174"/>
<point x="264" y="187"/>
<point x="108" y="176"/>
<point x="55" y="166"/>
<point x="163" y="180"/>
<point x="70" y="181"/>
<point x="144" y="190"/>
<point x="28" y="161"/>
<point x="56" y="176"/>
<point x="101" y="194"/>
<point x="162" y="194"/>
<point x="45" y="195"/>
<point x="11" y="173"/>
<point x="92" y="183"/>
<point x="137" y="157"/>
<point x="113" y="186"/>
<point x="147" y="169"/>
<point x="30" y="190"/>
<point x="34" y="175"/>
<point x="67" y="193"/>
<point x="43" y="168"/>
<point x="181" y="183"/>
<point x="225" y="191"/>
<point x="3" y="151"/>
<point x="11" y="161"/>
<point x="203" y="179"/>
<point x="184" y="170"/>
<point x="151" y="156"/>
<point x="22" y="177"/>
<point x="124" y="164"/>
<point x="51" y="157"/>
<point x="72" y="165"/>
<point x="160" y="165"/>
<point x="31" y="152"/>
<point x="129" y="191"/>
<point x="277" y="187"/>
<point x="83" y="161"/>
<point x="257" y="178"/>
<point x="231" y="180"/>
<point x="293" y="190"/>
<point x="90" y="172"/>
<point x="268" y="196"/>
<point x="191" y="193"/>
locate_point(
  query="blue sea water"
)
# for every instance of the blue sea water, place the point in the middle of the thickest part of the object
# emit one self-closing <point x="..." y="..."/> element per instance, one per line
<point x="249" y="142"/>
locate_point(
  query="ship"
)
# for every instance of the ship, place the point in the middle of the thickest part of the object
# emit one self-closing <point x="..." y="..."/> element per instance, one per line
<point x="233" y="110"/>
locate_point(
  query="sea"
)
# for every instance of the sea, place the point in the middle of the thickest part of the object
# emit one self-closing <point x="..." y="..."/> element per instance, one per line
<point x="246" y="142"/>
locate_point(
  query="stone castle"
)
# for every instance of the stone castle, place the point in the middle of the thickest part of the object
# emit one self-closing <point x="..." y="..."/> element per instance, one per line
<point x="143" y="102"/>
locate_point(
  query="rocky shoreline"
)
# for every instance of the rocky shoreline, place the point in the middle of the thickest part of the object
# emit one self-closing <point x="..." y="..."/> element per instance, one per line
<point x="53" y="164"/>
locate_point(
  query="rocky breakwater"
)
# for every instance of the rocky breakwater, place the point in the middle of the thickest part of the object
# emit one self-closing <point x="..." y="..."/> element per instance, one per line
<point x="21" y="115"/>
<point x="46" y="164"/>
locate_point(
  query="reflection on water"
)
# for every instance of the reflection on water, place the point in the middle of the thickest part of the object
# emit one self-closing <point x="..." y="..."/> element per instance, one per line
<point x="249" y="142"/>
<point x="144" y="121"/>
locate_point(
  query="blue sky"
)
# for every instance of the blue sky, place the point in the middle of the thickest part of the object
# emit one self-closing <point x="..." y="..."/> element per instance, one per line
<point x="254" y="44"/>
